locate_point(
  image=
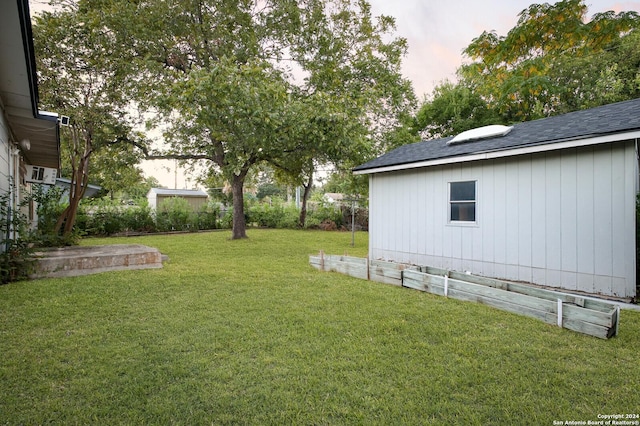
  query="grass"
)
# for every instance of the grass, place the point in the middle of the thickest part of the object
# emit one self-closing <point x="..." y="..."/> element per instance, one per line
<point x="246" y="332"/>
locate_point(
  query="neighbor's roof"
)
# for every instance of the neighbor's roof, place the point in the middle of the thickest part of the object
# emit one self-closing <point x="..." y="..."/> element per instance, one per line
<point x="604" y="124"/>
<point x="91" y="190"/>
<point x="179" y="192"/>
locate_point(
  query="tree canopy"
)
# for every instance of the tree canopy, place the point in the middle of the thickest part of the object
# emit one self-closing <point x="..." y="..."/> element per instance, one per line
<point x="554" y="60"/>
<point x="233" y="83"/>
<point x="237" y="83"/>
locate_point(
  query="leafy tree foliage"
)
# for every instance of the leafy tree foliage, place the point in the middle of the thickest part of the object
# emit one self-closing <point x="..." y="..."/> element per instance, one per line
<point x="533" y="71"/>
<point x="553" y="61"/>
<point x="79" y="78"/>
<point x="453" y="109"/>
<point x="238" y="83"/>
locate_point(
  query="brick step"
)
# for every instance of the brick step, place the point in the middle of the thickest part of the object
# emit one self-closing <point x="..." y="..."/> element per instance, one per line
<point x="78" y="260"/>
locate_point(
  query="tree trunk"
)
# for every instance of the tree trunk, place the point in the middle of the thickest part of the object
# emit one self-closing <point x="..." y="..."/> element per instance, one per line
<point x="305" y="197"/>
<point x="80" y="186"/>
<point x="239" y="223"/>
<point x="82" y="149"/>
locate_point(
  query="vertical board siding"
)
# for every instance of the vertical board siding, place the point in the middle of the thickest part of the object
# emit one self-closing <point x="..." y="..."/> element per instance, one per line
<point x="563" y="219"/>
<point x="585" y="221"/>
<point x="631" y="186"/>
<point x="553" y="220"/>
<point x="425" y="243"/>
<point x="512" y="214"/>
<point x="568" y="222"/>
<point x="538" y="214"/>
<point x="439" y="218"/>
<point x="500" y="219"/>
<point x="488" y="226"/>
<point x="618" y="207"/>
<point x="524" y="218"/>
<point x="417" y="193"/>
<point x="602" y="218"/>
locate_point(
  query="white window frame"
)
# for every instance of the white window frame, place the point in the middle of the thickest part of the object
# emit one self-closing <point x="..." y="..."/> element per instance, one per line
<point x="450" y="202"/>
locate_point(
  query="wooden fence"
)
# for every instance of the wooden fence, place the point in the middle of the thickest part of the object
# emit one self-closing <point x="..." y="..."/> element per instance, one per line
<point x="584" y="315"/>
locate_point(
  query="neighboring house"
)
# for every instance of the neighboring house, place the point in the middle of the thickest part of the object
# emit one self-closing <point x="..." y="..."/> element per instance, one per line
<point x="29" y="138"/>
<point x="552" y="202"/>
<point x="195" y="197"/>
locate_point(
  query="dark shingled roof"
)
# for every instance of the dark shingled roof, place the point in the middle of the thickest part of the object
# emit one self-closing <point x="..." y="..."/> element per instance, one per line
<point x="599" y="121"/>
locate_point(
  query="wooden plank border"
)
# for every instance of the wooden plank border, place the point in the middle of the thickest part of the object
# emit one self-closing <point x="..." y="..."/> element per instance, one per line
<point x="580" y="314"/>
<point x="573" y="317"/>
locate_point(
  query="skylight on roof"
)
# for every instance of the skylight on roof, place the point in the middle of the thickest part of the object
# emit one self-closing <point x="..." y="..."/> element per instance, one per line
<point x="486" y="132"/>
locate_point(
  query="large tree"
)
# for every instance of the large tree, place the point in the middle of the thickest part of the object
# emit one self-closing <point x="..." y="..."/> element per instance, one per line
<point x="324" y="135"/>
<point x="357" y="101"/>
<point x="235" y="116"/>
<point x="80" y="76"/>
<point x="242" y="82"/>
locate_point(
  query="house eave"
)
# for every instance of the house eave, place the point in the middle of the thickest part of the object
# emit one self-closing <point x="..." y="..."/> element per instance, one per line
<point x="511" y="152"/>
<point x="19" y="90"/>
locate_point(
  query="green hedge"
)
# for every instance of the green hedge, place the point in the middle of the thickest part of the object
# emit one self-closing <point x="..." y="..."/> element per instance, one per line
<point x="104" y="217"/>
<point x="175" y="215"/>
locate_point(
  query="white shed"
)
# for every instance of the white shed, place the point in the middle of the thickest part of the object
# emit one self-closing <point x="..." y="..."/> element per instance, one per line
<point x="551" y="202"/>
<point x="195" y="197"/>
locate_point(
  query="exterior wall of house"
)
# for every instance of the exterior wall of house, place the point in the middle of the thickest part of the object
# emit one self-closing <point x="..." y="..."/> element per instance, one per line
<point x="5" y="153"/>
<point x="9" y="169"/>
<point x="563" y="219"/>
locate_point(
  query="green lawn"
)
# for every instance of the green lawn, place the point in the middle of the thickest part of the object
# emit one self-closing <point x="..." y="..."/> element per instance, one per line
<point x="246" y="332"/>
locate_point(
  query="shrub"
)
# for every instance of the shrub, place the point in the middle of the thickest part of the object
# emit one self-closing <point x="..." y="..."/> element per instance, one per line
<point x="106" y="220"/>
<point x="207" y="217"/>
<point x="49" y="207"/>
<point x="290" y="218"/>
<point x="312" y="222"/>
<point x="321" y="212"/>
<point x="265" y="215"/>
<point x="174" y="215"/>
<point x="138" y="219"/>
<point x="16" y="246"/>
<point x="274" y="215"/>
<point x="227" y="218"/>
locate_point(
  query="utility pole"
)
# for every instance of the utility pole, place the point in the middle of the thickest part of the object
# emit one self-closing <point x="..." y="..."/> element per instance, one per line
<point x="175" y="174"/>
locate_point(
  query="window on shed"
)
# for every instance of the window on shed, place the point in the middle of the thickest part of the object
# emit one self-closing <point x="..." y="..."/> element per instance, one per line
<point x="462" y="201"/>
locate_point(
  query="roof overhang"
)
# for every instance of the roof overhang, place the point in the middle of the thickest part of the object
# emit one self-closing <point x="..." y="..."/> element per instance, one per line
<point x="183" y="193"/>
<point x="529" y="149"/>
<point x="19" y="89"/>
